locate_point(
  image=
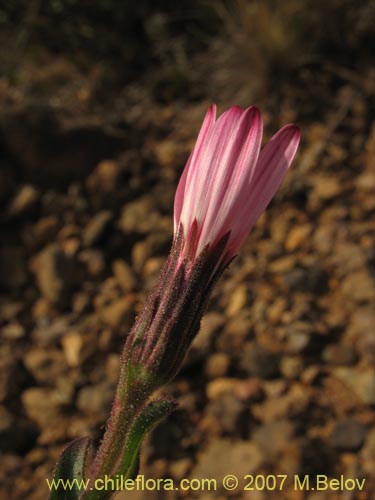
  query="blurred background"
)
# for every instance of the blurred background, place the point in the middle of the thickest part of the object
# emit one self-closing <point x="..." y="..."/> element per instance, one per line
<point x="100" y="105"/>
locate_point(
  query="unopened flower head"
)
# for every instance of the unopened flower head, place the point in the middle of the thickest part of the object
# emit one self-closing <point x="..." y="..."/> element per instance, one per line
<point x="226" y="185"/>
<point x="228" y="182"/>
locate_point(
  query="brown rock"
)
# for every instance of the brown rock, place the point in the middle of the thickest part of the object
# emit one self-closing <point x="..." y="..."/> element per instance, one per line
<point x="311" y="374"/>
<point x="235" y="333"/>
<point x="105" y="177"/>
<point x="282" y="264"/>
<point x="237" y="300"/>
<point x="155" y="244"/>
<point x="151" y="270"/>
<point x="227" y="411"/>
<point x="217" y="365"/>
<point x="210" y="325"/>
<point x="124" y="275"/>
<point x="347" y="258"/>
<point x="276" y="310"/>
<point x="325" y="238"/>
<point x="56" y="274"/>
<point x="366" y="181"/>
<point x="326" y="187"/>
<point x="348" y="435"/>
<point x="367" y="453"/>
<point x="297" y="237"/>
<point x="113" y="368"/>
<point x="166" y="152"/>
<point x="41" y="405"/>
<point x="10" y="309"/>
<point x="273" y="437"/>
<point x="109" y="292"/>
<point x="12" y="331"/>
<point x="81" y="303"/>
<point x="179" y="468"/>
<point x="118" y="313"/>
<point x="279" y="226"/>
<point x="44" y="364"/>
<point x="53" y="434"/>
<point x="73" y="348"/>
<point x="94" y="261"/>
<point x="291" y="367"/>
<point x="24" y="201"/>
<point x="96" y="399"/>
<point x="224" y="456"/>
<point x="96" y="228"/>
<point x="360" y="332"/>
<point x="45" y="229"/>
<point x="47" y="333"/>
<point x="139" y="216"/>
<point x="275" y="388"/>
<point x="339" y="395"/>
<point x="361" y="381"/>
<point x="339" y="354"/>
<point x="258" y="362"/>
<point x="359" y="286"/>
<point x="244" y="389"/>
<point x="288" y="405"/>
<point x="299" y="338"/>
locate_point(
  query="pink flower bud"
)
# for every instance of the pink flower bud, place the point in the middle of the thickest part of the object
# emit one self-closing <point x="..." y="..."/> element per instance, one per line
<point x="226" y="185"/>
<point x="228" y="182"/>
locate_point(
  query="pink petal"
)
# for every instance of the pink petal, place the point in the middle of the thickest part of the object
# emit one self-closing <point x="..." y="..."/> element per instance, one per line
<point x="207" y="124"/>
<point x="274" y="161"/>
<point x="233" y="179"/>
<point x="201" y="174"/>
<point x="279" y="152"/>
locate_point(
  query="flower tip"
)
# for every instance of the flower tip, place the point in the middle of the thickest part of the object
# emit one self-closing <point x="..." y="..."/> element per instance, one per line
<point x="251" y="119"/>
<point x="289" y="135"/>
<point x="212" y="110"/>
<point x="237" y="108"/>
<point x="257" y="115"/>
<point x="296" y="136"/>
<point x="253" y="109"/>
<point x="293" y="131"/>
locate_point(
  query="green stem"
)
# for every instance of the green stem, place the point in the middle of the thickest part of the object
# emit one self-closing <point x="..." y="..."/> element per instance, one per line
<point x="133" y="390"/>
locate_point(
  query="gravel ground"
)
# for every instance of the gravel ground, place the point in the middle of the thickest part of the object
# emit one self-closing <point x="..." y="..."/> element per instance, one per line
<point x="280" y="379"/>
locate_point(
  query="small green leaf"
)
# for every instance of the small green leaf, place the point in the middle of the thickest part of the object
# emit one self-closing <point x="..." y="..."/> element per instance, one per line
<point x="69" y="481"/>
<point x="128" y="467"/>
<point x="145" y="421"/>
